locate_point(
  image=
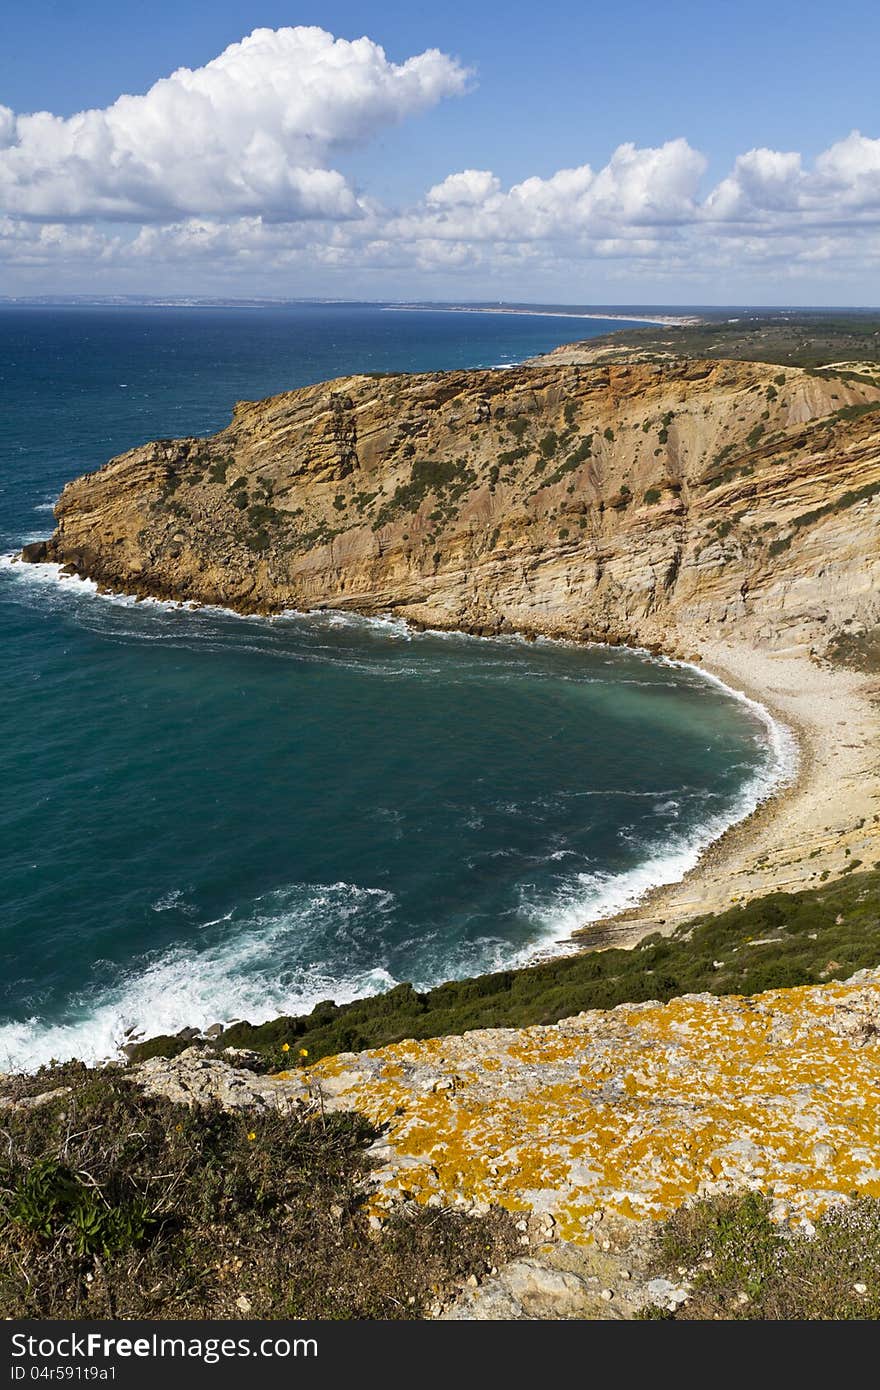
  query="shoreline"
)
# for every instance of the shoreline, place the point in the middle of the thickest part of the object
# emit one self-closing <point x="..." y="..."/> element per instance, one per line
<point x="818" y="821"/>
<point x="813" y="827"/>
<point x="663" y="320"/>
<point x="823" y="823"/>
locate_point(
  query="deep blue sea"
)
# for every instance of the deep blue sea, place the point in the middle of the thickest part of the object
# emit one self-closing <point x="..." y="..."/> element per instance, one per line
<point x="208" y="817"/>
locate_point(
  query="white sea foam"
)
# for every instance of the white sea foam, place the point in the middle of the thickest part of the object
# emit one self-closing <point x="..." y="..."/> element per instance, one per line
<point x="240" y="975"/>
<point x="46" y="574"/>
<point x="590" y="897"/>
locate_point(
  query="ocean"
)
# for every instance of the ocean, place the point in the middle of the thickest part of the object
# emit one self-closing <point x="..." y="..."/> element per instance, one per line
<point x="207" y="817"/>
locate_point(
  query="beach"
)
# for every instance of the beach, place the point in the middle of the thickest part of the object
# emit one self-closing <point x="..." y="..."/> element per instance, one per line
<point x="663" y="320"/>
<point x="823" y="823"/>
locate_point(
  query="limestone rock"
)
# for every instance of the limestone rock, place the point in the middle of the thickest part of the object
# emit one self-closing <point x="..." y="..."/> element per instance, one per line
<point x="627" y="499"/>
<point x="191" y="1078"/>
<point x="609" y="1116"/>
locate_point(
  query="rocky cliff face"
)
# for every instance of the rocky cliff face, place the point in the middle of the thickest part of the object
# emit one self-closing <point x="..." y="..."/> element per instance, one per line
<point x="628" y="500"/>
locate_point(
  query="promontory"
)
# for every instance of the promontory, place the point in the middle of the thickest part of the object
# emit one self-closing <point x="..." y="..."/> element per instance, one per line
<point x="723" y="510"/>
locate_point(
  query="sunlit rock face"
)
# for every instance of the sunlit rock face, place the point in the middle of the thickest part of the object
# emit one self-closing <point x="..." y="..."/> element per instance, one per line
<point x="634" y="499"/>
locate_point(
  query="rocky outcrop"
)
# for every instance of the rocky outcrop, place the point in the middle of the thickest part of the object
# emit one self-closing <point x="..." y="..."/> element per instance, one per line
<point x="607" y="1117"/>
<point x="639" y="500"/>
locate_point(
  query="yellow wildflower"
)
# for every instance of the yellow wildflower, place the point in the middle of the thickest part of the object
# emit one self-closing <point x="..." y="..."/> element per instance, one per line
<point x="285" y="1047"/>
<point x="252" y="1135"/>
<point x="304" y="1052"/>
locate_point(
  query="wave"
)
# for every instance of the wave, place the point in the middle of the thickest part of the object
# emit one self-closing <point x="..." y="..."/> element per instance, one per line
<point x="236" y="971"/>
<point x="593" y="896"/>
<point x="241" y="973"/>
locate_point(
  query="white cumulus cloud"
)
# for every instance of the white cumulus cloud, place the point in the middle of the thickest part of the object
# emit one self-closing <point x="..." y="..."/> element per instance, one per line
<point x="225" y="177"/>
<point x="252" y="131"/>
<point x="470" y="188"/>
<point x="637" y="187"/>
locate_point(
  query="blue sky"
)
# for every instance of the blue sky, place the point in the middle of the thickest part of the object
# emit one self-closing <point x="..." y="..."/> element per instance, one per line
<point x="348" y="209"/>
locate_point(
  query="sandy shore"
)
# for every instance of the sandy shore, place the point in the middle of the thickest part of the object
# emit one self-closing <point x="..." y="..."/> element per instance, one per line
<point x="826" y="821"/>
<point x="663" y="320"/>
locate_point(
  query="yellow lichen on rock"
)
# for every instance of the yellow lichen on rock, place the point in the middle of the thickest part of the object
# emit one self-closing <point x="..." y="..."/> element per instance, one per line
<point x="631" y="1112"/>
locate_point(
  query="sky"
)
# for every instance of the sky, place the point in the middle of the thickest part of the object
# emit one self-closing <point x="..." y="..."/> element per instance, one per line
<point x="690" y="152"/>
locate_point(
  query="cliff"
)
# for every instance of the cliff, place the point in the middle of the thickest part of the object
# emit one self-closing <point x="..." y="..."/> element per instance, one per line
<point x="637" y="499"/>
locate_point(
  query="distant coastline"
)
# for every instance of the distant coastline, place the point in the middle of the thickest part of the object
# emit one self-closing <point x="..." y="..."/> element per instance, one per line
<point x="665" y="320"/>
<point x="202" y="302"/>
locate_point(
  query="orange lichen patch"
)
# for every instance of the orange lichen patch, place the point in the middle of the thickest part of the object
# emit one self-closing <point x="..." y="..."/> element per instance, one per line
<point x="634" y="1110"/>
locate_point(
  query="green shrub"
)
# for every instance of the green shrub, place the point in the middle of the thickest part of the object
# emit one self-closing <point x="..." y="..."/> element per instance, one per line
<point x="743" y="1265"/>
<point x="115" y="1205"/>
<point x="217" y="471"/>
<point x="754" y="435"/>
<point x="426" y="476"/>
<point x="804" y="927"/>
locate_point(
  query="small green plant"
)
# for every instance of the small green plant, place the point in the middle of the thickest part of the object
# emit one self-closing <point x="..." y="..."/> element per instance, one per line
<point x="754" y="435"/>
<point x="54" y="1203"/>
<point x="118" y="1205"/>
<point x="743" y="1265"/>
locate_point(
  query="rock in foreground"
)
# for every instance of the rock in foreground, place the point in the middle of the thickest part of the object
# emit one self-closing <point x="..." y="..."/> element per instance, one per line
<point x="609" y="1115"/>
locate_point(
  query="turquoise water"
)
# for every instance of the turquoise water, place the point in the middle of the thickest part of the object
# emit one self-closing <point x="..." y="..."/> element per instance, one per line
<point x="208" y="817"/>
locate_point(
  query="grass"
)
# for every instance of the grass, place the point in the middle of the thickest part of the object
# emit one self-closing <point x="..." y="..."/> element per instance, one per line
<point x="778" y="941"/>
<point x="743" y="1265"/>
<point x="115" y="1205"/>
<point x="805" y="338"/>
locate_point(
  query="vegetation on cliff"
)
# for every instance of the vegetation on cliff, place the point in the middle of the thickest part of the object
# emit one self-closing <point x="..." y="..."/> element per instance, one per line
<point x="644" y="497"/>
<point x="796" y="338"/>
<point x="118" y="1205"/>
<point x="742" y="1265"/>
<point x="774" y="942"/>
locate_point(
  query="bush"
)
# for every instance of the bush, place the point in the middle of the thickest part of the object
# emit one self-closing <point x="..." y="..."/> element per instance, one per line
<point x="715" y="953"/>
<point x="115" y="1205"/>
<point x="744" y="1265"/>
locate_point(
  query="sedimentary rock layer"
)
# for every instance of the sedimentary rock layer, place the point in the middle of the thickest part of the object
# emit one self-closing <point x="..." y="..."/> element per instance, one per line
<point x="638" y="500"/>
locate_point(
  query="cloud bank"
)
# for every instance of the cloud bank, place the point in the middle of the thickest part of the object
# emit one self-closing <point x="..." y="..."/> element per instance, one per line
<point x="224" y="177"/>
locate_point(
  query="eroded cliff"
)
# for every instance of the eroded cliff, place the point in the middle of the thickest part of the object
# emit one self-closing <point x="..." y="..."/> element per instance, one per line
<point x="640" y="500"/>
